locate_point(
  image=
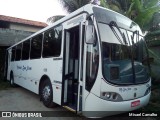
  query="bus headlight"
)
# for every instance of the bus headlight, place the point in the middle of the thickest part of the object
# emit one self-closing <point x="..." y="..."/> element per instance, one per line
<point x="111" y="96"/>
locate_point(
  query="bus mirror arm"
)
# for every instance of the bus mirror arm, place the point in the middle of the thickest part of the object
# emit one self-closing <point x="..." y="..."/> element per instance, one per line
<point x="89" y="16"/>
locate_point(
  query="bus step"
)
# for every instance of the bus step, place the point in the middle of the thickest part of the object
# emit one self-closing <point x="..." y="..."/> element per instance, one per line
<point x="70" y="109"/>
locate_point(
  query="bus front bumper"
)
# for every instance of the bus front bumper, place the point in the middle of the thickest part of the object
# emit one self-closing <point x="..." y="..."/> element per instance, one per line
<point x="97" y="107"/>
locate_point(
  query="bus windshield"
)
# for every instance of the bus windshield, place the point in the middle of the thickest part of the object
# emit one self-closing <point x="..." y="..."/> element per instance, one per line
<point x="123" y="54"/>
<point x="123" y="48"/>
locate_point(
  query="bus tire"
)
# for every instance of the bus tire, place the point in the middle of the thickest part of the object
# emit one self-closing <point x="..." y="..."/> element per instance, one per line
<point x="46" y="94"/>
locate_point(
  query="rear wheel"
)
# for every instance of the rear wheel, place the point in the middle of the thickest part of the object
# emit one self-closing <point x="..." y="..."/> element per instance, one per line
<point x="46" y="93"/>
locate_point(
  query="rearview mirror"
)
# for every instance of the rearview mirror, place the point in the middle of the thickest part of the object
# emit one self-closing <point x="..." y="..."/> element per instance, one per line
<point x="90" y="36"/>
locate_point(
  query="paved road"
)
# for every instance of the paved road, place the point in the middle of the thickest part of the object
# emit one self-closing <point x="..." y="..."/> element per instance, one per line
<point x="20" y="99"/>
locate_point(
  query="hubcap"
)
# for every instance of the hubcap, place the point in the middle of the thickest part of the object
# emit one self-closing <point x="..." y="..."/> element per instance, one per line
<point x="46" y="92"/>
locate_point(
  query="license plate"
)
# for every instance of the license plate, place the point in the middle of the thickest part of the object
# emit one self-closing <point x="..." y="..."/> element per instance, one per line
<point x="135" y="103"/>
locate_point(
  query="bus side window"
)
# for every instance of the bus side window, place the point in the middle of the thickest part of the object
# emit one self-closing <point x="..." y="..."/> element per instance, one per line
<point x="52" y="42"/>
<point x="92" y="64"/>
<point x="26" y="50"/>
<point x="18" y="52"/>
<point x="13" y="53"/>
<point x="36" y="47"/>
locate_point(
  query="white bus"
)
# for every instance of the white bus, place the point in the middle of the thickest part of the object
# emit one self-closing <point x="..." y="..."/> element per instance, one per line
<point x="92" y="61"/>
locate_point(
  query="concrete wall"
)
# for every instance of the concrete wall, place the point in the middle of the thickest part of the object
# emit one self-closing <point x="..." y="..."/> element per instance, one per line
<point x="16" y="26"/>
<point x="9" y="37"/>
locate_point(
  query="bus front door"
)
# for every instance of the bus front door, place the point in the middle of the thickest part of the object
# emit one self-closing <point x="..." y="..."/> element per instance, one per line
<point x="72" y="69"/>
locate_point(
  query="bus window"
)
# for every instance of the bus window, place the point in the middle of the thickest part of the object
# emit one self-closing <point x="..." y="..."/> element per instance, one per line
<point x="13" y="53"/>
<point x="26" y="50"/>
<point x="36" y="47"/>
<point x="52" y="42"/>
<point x="18" y="52"/>
<point x="92" y="64"/>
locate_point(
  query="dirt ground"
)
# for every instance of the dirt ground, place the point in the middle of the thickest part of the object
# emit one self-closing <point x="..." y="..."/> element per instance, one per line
<point x="20" y="99"/>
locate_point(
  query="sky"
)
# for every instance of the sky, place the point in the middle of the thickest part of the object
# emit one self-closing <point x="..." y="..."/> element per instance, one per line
<point x="37" y="10"/>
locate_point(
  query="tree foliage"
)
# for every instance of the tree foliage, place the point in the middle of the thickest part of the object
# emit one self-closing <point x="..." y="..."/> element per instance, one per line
<point x="72" y="5"/>
<point x="140" y="11"/>
<point x="69" y="6"/>
<point x="52" y="19"/>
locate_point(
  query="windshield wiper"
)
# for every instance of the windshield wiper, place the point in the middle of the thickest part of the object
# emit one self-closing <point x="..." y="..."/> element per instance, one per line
<point x="137" y="37"/>
<point x="132" y="57"/>
<point x="113" y="23"/>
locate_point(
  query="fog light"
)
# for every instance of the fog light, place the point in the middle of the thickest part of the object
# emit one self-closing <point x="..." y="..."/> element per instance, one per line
<point x="108" y="95"/>
<point x="105" y="94"/>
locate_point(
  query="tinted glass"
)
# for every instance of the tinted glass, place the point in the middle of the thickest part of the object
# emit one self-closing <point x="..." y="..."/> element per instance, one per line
<point x="52" y="42"/>
<point x="18" y="52"/>
<point x="26" y="50"/>
<point x="36" y="47"/>
<point x="92" y="64"/>
<point x="13" y="54"/>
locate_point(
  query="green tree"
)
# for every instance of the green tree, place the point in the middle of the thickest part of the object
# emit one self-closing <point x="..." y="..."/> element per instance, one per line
<point x="72" y="5"/>
<point x="111" y="4"/>
<point x="155" y="22"/>
<point x="54" y="18"/>
<point x="69" y="6"/>
<point x="142" y="11"/>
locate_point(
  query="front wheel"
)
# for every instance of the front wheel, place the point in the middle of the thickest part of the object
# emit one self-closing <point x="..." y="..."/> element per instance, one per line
<point x="46" y="93"/>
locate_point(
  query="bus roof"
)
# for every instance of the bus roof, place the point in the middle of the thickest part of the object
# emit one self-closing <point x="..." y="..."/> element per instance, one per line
<point x="85" y="9"/>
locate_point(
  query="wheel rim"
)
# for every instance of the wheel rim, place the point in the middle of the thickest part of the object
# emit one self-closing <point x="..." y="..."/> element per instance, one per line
<point x="46" y="93"/>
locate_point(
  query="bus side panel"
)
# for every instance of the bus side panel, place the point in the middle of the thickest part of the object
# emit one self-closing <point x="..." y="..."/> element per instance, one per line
<point x="29" y="73"/>
<point x="34" y="73"/>
<point x="53" y="69"/>
<point x="17" y="72"/>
